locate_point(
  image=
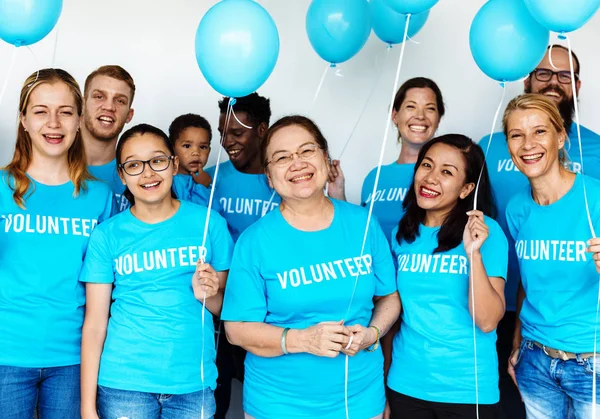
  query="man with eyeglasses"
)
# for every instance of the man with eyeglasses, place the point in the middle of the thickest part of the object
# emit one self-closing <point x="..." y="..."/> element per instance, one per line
<point x="551" y="78"/>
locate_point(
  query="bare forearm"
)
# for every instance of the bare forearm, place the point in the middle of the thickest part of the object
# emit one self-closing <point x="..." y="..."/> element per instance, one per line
<point x="214" y="304"/>
<point x="92" y="343"/>
<point x="489" y="304"/>
<point x="385" y="312"/>
<point x="258" y="338"/>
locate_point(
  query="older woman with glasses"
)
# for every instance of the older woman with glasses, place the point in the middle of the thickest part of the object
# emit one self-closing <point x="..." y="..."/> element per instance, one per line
<point x="306" y="287"/>
<point x="161" y="276"/>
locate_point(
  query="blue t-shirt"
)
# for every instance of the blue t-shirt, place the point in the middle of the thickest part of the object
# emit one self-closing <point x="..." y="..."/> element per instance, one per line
<point x="154" y="338"/>
<point x="507" y="181"/>
<point x="244" y="198"/>
<point x="394" y="181"/>
<point x="432" y="355"/>
<point x="291" y="278"/>
<point x="558" y="275"/>
<point x="41" y="254"/>
<point x="187" y="190"/>
<point x="108" y="173"/>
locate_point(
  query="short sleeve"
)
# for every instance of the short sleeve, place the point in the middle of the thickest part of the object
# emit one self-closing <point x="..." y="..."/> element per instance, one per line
<point x="383" y="263"/>
<point x="221" y="243"/>
<point x="511" y="221"/>
<point x="367" y="188"/>
<point x="494" y="251"/>
<point x="98" y="262"/>
<point x="245" y="293"/>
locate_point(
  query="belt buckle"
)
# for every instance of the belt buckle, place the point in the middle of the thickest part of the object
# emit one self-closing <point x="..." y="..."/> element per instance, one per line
<point x="563" y="355"/>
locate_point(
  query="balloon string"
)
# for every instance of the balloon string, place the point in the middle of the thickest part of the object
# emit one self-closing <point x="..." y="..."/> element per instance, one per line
<point x="37" y="74"/>
<point x="587" y="211"/>
<point x="550" y="57"/>
<point x="55" y="44"/>
<point x="370" y="214"/>
<point x="472" y="277"/>
<point x="471" y="273"/>
<point x="239" y="122"/>
<point x="320" y="84"/>
<point x="364" y="108"/>
<point x="489" y="144"/>
<point x="8" y="73"/>
<point x="210" y="201"/>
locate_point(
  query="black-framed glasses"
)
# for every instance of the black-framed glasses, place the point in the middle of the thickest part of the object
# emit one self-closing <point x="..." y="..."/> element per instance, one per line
<point x="137" y="167"/>
<point x="284" y="158"/>
<point x="545" y="74"/>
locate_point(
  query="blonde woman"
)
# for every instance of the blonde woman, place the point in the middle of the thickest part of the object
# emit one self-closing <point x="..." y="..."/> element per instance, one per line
<point x="49" y="206"/>
<point x="552" y="360"/>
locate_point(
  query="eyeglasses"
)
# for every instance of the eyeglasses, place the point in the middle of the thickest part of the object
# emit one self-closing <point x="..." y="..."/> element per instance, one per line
<point x="283" y="159"/>
<point x="545" y="74"/>
<point x="137" y="167"/>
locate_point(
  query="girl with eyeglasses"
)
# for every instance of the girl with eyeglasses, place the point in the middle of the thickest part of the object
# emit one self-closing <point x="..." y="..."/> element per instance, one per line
<point x="303" y="292"/>
<point x="152" y="263"/>
<point x="49" y="206"/>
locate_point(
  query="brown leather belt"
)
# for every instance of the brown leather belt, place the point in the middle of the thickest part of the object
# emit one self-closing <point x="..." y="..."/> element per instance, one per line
<point x="558" y="354"/>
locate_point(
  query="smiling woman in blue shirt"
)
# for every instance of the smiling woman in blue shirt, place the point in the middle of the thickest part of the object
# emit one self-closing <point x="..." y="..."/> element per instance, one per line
<point x="452" y="263"/>
<point x="552" y="359"/>
<point x="49" y="205"/>
<point x="303" y="292"/>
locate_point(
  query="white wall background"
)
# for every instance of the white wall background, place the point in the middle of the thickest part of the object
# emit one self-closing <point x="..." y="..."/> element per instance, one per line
<point x="154" y="41"/>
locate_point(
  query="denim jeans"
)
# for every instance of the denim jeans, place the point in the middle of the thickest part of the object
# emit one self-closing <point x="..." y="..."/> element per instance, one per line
<point x="54" y="391"/>
<point x="553" y="388"/>
<point x="120" y="404"/>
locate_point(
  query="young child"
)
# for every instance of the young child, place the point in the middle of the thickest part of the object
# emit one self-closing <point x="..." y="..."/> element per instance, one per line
<point x="190" y="135"/>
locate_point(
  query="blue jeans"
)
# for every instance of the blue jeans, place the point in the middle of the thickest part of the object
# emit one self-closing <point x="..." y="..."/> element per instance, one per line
<point x="54" y="391"/>
<point x="114" y="404"/>
<point x="556" y="389"/>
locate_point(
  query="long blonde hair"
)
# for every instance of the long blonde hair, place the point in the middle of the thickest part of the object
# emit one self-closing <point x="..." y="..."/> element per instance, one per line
<point x="540" y="103"/>
<point x="16" y="170"/>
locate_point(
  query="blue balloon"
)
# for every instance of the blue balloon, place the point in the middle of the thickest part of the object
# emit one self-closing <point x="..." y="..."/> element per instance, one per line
<point x="25" y="22"/>
<point x="237" y="46"/>
<point x="338" y="29"/>
<point x="562" y="15"/>
<point x="389" y="26"/>
<point x="410" y="6"/>
<point x="506" y="42"/>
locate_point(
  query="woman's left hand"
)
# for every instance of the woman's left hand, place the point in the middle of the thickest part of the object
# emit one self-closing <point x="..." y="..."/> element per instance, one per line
<point x="205" y="281"/>
<point x="594" y="248"/>
<point x="336" y="187"/>
<point x="362" y="337"/>
<point x="476" y="232"/>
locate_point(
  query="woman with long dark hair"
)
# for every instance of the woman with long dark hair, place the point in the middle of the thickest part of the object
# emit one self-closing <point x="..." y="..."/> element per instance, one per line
<point x="451" y="262"/>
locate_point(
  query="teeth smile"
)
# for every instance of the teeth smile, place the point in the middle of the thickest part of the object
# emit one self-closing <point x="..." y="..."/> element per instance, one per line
<point x="233" y="152"/>
<point x="532" y="157"/>
<point x="428" y="192"/>
<point x="54" y="136"/>
<point x="299" y="178"/>
<point x="106" y="119"/>
<point x="417" y="128"/>
<point x="150" y="185"/>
